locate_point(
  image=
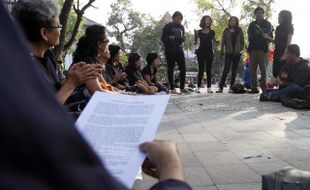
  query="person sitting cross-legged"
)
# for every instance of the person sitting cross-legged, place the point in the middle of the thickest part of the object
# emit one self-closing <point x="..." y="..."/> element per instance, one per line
<point x="294" y="75"/>
<point x="150" y="70"/>
<point x="134" y="75"/>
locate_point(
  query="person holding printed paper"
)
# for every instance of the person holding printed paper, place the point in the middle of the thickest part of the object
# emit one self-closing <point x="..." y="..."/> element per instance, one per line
<point x="40" y="146"/>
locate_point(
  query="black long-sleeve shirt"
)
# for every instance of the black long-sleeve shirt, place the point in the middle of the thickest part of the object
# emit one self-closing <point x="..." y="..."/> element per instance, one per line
<point x="173" y="45"/>
<point x="256" y="39"/>
<point x="298" y="73"/>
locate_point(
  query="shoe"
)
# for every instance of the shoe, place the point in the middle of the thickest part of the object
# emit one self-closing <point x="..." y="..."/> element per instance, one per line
<point x="263" y="97"/>
<point x="254" y="91"/>
<point x="185" y="91"/>
<point x="230" y="90"/>
<point x="173" y="91"/>
<point x="220" y="90"/>
<point x="209" y="90"/>
<point x="198" y="91"/>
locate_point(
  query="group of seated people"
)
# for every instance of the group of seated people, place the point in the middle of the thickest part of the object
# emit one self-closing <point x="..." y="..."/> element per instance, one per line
<point x="40" y="147"/>
<point x="96" y="64"/>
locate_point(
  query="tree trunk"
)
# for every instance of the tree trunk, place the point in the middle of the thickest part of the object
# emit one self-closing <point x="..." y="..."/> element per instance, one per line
<point x="64" y="15"/>
<point x="74" y="33"/>
<point x="121" y="41"/>
<point x="63" y="19"/>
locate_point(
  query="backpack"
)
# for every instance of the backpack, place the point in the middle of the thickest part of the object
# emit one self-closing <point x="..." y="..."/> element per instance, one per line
<point x="287" y="179"/>
<point x="296" y="103"/>
<point x="238" y="88"/>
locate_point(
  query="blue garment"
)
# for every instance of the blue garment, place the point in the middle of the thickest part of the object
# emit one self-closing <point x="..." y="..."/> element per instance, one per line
<point x="291" y="91"/>
<point x="40" y="147"/>
<point x="246" y="76"/>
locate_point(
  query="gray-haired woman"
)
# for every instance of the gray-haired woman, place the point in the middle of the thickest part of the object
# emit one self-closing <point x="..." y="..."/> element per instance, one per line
<point x="39" y="21"/>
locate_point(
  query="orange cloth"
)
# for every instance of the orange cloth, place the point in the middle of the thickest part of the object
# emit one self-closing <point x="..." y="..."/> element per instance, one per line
<point x="107" y="86"/>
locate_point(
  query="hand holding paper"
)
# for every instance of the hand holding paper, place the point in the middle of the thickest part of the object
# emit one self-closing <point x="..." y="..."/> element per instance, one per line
<point x="115" y="125"/>
<point x="162" y="160"/>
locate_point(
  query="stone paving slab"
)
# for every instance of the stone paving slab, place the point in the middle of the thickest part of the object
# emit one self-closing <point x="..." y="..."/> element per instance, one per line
<point x="217" y="133"/>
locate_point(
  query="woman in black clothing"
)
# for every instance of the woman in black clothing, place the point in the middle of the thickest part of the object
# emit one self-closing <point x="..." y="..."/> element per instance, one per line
<point x="39" y="21"/>
<point x="206" y="36"/>
<point x="115" y="70"/>
<point x="283" y="38"/>
<point x="92" y="48"/>
<point x="134" y="75"/>
<point x="150" y="70"/>
<point x="232" y="43"/>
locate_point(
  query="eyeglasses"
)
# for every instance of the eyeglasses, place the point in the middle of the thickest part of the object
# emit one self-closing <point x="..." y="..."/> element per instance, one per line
<point x="105" y="41"/>
<point x="58" y="27"/>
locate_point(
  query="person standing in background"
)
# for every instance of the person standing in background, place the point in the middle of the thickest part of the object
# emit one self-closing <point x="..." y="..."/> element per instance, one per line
<point x="232" y="43"/>
<point x="283" y="39"/>
<point x="258" y="48"/>
<point x="173" y="37"/>
<point x="206" y="37"/>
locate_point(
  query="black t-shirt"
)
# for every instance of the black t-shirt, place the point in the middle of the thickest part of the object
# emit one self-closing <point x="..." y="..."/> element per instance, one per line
<point x="147" y="71"/>
<point x="281" y="36"/>
<point x="50" y="69"/>
<point x="234" y="35"/>
<point x="133" y="75"/>
<point x="112" y="69"/>
<point x="107" y="73"/>
<point x="205" y="46"/>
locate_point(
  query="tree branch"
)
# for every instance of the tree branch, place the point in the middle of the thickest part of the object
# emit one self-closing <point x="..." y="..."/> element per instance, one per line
<point x="223" y="8"/>
<point x="78" y="21"/>
<point x="63" y="19"/>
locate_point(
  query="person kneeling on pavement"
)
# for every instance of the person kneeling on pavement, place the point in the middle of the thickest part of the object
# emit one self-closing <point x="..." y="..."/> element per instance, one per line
<point x="292" y="78"/>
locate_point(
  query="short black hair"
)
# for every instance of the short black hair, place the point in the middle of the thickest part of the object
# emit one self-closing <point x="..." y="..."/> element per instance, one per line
<point x="293" y="49"/>
<point x="176" y="14"/>
<point x="151" y="57"/>
<point x="259" y="9"/>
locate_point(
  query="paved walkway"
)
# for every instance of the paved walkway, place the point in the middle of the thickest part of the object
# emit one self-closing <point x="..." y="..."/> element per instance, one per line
<point x="217" y="133"/>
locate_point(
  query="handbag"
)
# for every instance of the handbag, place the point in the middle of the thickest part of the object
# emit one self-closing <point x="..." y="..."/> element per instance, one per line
<point x="287" y="179"/>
